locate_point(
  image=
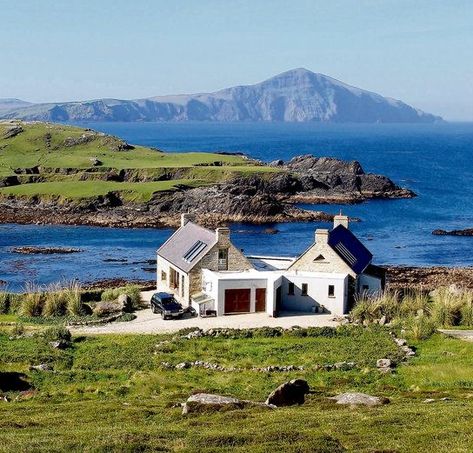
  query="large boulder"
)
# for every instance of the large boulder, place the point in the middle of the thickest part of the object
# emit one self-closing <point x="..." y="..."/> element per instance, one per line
<point x="207" y="402"/>
<point x="289" y="393"/>
<point x="359" y="399"/>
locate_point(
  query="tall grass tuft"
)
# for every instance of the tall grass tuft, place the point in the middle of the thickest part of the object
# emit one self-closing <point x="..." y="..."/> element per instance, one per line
<point x="4" y="302"/>
<point x="420" y="327"/>
<point x="32" y="304"/>
<point x="72" y="293"/>
<point x="55" y="303"/>
<point x="446" y="307"/>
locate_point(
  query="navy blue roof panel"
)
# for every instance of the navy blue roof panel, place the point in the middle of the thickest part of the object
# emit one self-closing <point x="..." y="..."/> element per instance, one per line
<point x="349" y="248"/>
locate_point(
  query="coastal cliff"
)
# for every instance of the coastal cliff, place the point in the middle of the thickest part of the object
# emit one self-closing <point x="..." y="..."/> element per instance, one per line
<point x="66" y="175"/>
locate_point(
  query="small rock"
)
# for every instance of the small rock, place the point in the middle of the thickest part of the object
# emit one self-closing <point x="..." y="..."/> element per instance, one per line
<point x="383" y="363"/>
<point x="400" y="341"/>
<point x="207" y="402"/>
<point x="359" y="399"/>
<point x="41" y="367"/>
<point x="344" y="366"/>
<point x="182" y="366"/>
<point x="289" y="393"/>
<point x="95" y="162"/>
<point x="429" y="400"/>
<point x="382" y="321"/>
<point x="59" y="344"/>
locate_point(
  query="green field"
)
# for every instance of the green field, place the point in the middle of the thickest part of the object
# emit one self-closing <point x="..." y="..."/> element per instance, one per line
<point x="110" y="393"/>
<point x="46" y="145"/>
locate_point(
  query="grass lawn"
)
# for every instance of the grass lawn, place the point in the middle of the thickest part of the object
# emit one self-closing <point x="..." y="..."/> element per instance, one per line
<point x="45" y="145"/>
<point x="109" y="393"/>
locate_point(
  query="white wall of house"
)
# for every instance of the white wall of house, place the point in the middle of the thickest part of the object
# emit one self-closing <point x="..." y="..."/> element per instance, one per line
<point x="369" y="284"/>
<point x="318" y="297"/>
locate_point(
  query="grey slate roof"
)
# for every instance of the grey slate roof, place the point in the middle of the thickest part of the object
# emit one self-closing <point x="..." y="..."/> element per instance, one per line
<point x="185" y="239"/>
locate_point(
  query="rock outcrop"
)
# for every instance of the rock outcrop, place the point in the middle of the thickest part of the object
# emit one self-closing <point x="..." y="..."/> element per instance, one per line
<point x="465" y="232"/>
<point x="289" y="394"/>
<point x="359" y="399"/>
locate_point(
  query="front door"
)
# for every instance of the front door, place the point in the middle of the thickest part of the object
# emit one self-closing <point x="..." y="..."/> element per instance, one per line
<point x="237" y="300"/>
<point x="260" y="299"/>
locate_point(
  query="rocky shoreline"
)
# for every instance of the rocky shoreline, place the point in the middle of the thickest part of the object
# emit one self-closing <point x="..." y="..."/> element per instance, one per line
<point x="267" y="197"/>
<point x="465" y="232"/>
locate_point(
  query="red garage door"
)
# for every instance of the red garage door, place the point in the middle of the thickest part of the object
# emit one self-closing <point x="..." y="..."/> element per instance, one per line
<point x="237" y="300"/>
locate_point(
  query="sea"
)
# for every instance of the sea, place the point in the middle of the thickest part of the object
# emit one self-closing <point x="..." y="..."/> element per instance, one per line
<point x="434" y="160"/>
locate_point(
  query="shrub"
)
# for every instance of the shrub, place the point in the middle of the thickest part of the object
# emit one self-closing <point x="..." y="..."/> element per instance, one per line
<point x="420" y="327"/>
<point x="466" y="311"/>
<point x="327" y="332"/>
<point x="4" y="303"/>
<point x="74" y="301"/>
<point x="132" y="291"/>
<point x="32" y="304"/>
<point x="126" y="317"/>
<point x="446" y="307"/>
<point x="413" y="303"/>
<point x="55" y="303"/>
<point x="267" y="332"/>
<point x="57" y="333"/>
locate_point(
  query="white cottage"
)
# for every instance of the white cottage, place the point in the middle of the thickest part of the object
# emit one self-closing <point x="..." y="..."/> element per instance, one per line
<point x="204" y="269"/>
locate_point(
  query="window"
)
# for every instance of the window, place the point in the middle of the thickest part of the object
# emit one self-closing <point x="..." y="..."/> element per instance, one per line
<point x="290" y="289"/>
<point x="319" y="258"/>
<point x="222" y="259"/>
<point x="182" y="286"/>
<point x="331" y="291"/>
<point x="164" y="276"/>
<point x="194" y="251"/>
<point x="305" y="289"/>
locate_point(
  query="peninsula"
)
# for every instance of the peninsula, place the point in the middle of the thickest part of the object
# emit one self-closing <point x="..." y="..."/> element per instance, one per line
<point x="57" y="174"/>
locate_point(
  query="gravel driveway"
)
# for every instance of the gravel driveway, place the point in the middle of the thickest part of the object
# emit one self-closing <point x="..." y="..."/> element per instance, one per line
<point x="147" y="322"/>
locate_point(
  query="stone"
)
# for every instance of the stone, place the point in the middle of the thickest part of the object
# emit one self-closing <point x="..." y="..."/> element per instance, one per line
<point x="207" y="402"/>
<point x="400" y="341"/>
<point x="383" y="363"/>
<point x="59" y="344"/>
<point x="359" y="399"/>
<point x="289" y="393"/>
<point x="429" y="400"/>
<point x="95" y="162"/>
<point x="344" y="366"/>
<point x="124" y="302"/>
<point x="382" y="320"/>
<point x="182" y="366"/>
<point x="41" y="367"/>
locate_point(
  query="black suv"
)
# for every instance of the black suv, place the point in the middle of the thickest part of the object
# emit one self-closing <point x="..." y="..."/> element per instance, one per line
<point x="165" y="304"/>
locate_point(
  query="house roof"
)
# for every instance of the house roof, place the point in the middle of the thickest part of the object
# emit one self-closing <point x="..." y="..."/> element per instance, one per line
<point x="187" y="246"/>
<point x="349" y="249"/>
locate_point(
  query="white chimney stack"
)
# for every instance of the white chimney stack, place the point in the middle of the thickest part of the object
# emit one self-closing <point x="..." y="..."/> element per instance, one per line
<point x="341" y="220"/>
<point x="321" y="236"/>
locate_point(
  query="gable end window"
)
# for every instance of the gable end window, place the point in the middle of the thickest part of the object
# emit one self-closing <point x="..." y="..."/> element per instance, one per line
<point x="164" y="276"/>
<point x="290" y="289"/>
<point x="222" y="259"/>
<point x="331" y="291"/>
<point x="304" y="289"/>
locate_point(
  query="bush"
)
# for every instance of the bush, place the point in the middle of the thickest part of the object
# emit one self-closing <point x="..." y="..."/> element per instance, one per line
<point x="466" y="311"/>
<point x="33" y="301"/>
<point x="328" y="332"/>
<point x="15" y="301"/>
<point x="268" y="332"/>
<point x="4" y="303"/>
<point x="132" y="291"/>
<point x="446" y="307"/>
<point x="57" y="333"/>
<point x="74" y="301"/>
<point x="126" y="317"/>
<point x="55" y="303"/>
<point x="420" y="327"/>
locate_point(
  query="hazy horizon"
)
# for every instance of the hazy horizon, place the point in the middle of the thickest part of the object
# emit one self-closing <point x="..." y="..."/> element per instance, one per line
<point x="417" y="52"/>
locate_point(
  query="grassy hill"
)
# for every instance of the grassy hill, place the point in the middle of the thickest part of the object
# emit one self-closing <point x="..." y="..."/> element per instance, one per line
<point x="45" y="160"/>
<point x="110" y="393"/>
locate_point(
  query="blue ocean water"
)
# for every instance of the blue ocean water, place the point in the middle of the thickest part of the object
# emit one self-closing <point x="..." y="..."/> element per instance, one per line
<point x="436" y="161"/>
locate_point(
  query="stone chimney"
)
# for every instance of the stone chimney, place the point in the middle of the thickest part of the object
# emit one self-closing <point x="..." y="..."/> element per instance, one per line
<point x="222" y="235"/>
<point x="341" y="220"/>
<point x="321" y="236"/>
<point x="186" y="218"/>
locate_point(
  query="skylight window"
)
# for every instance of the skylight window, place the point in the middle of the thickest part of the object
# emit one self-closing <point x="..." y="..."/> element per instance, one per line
<point x="194" y="251"/>
<point x="349" y="257"/>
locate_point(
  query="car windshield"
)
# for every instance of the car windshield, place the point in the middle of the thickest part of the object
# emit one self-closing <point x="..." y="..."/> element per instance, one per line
<point x="170" y="304"/>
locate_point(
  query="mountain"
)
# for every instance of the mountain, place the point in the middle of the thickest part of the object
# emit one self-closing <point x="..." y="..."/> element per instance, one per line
<point x="298" y="95"/>
<point x="12" y="103"/>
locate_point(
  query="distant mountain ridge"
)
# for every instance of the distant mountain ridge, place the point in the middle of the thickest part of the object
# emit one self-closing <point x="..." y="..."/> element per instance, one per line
<point x="298" y="95"/>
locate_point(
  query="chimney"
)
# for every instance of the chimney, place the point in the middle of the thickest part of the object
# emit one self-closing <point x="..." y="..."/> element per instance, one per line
<point x="222" y="234"/>
<point x="321" y="236"/>
<point x="186" y="218"/>
<point x="341" y="220"/>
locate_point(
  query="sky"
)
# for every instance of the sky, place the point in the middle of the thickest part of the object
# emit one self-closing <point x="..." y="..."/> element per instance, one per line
<point x="419" y="51"/>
